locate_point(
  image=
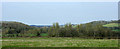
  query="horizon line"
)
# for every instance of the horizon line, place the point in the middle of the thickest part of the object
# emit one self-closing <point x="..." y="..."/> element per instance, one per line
<point x="59" y="23"/>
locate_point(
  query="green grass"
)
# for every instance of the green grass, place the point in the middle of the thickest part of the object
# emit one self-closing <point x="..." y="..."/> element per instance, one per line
<point x="111" y="25"/>
<point x="58" y="42"/>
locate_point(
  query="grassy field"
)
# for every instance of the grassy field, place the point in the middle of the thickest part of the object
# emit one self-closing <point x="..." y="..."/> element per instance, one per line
<point x="58" y="42"/>
<point x="111" y="25"/>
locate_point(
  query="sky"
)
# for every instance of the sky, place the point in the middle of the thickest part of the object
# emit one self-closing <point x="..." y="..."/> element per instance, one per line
<point x="59" y="0"/>
<point x="47" y="13"/>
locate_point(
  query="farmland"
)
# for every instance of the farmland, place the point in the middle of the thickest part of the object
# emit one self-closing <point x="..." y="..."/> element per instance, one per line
<point x="58" y="42"/>
<point x="111" y="25"/>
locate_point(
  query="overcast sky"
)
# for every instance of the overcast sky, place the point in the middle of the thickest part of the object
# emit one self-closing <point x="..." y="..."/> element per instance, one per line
<point x="39" y="13"/>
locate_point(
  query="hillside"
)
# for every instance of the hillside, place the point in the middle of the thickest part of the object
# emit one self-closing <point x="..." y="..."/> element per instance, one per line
<point x="11" y="27"/>
<point x="14" y="25"/>
<point x="111" y="25"/>
<point x="94" y="23"/>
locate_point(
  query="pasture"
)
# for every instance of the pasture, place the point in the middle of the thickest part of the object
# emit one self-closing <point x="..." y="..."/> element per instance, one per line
<point x="58" y="42"/>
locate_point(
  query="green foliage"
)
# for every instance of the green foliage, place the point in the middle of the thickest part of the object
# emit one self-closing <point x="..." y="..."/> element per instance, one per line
<point x="95" y="29"/>
<point x="116" y="30"/>
<point x="44" y="34"/>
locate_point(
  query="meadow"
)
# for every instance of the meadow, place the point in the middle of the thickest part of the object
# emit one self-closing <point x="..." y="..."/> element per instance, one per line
<point x="58" y="42"/>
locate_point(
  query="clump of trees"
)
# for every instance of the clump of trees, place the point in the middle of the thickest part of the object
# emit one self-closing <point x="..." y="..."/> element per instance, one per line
<point x="89" y="30"/>
<point x="83" y="31"/>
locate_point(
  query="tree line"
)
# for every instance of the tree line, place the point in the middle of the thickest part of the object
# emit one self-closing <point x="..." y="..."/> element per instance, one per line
<point x="88" y="30"/>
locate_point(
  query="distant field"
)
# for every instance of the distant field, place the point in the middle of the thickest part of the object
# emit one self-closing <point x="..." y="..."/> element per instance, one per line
<point x="111" y="25"/>
<point x="58" y="42"/>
